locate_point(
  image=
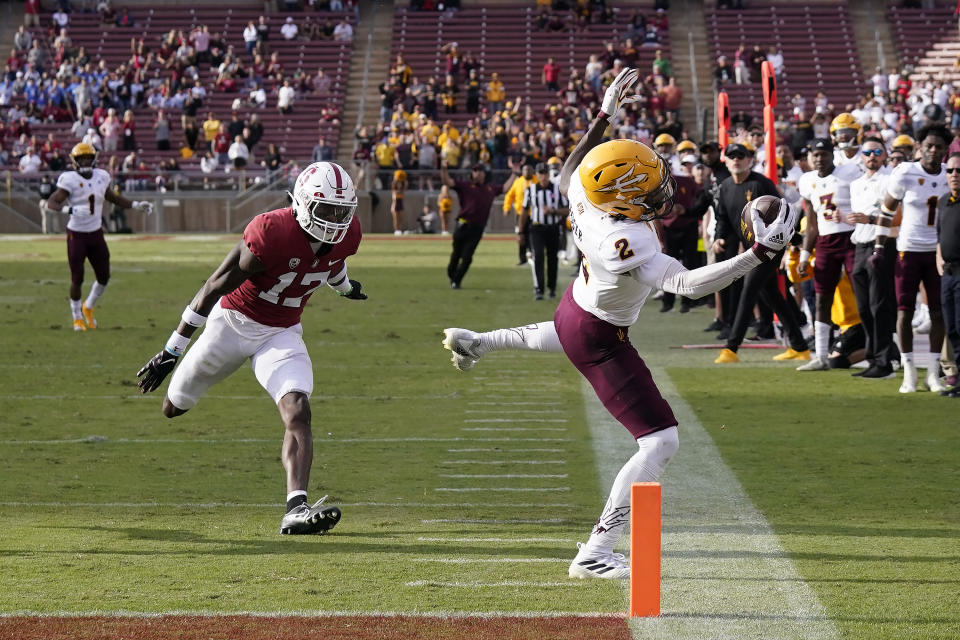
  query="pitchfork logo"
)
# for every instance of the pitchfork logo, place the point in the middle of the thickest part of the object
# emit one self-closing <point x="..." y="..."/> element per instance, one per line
<point x="626" y="183"/>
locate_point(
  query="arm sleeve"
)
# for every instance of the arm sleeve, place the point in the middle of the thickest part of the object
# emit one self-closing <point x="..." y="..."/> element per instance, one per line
<point x="341" y="282"/>
<point x="663" y="272"/>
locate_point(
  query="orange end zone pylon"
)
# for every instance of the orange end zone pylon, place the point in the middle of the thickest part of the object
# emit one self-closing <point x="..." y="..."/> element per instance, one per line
<point x="645" y="549"/>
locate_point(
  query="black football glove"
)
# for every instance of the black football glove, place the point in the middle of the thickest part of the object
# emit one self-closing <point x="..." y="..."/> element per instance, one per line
<point x="355" y="293"/>
<point x="153" y="373"/>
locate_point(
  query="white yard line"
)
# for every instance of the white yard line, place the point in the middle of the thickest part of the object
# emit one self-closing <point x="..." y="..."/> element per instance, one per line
<point x="501" y="462"/>
<point x="492" y="521"/>
<point x="509" y="540"/>
<point x="501" y="450"/>
<point x="279" y="505"/>
<point x="502" y="475"/>
<point x="502" y="560"/>
<point x="96" y="439"/>
<point x="560" y="429"/>
<point x="501" y="489"/>
<point x="488" y="585"/>
<point x="305" y="613"/>
<point x="550" y="420"/>
<point x="716" y="539"/>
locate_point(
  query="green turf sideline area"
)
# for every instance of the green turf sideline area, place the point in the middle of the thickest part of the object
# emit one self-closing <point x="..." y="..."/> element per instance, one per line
<point x="455" y="500"/>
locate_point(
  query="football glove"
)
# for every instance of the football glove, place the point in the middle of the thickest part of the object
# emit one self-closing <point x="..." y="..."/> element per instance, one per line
<point x="143" y="205"/>
<point x="153" y="373"/>
<point x="65" y="209"/>
<point x="618" y="93"/>
<point x="355" y="293"/>
<point x="876" y="259"/>
<point x="773" y="237"/>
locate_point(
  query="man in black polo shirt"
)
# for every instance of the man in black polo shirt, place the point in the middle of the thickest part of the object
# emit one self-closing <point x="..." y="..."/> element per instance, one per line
<point x="476" y="197"/>
<point x="948" y="258"/>
<point x="742" y="186"/>
<point x="546" y="208"/>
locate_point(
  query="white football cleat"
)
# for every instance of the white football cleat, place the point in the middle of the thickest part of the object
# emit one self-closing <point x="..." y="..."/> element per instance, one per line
<point x="603" y="565"/>
<point x="464" y="344"/>
<point x="933" y="381"/>
<point x="816" y="364"/>
<point x="909" y="379"/>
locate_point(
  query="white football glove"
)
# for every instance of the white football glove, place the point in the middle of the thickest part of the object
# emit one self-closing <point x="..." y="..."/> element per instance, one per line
<point x="143" y="205"/>
<point x="772" y="238"/>
<point x="65" y="209"/>
<point x="618" y="93"/>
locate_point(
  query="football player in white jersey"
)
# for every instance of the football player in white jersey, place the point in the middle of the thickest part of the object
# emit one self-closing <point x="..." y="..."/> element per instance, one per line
<point x="845" y="134"/>
<point x="81" y="193"/>
<point x="826" y="198"/>
<point x="617" y="190"/>
<point x="918" y="186"/>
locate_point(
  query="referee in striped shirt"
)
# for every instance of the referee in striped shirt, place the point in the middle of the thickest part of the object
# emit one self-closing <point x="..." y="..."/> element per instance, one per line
<point x="546" y="209"/>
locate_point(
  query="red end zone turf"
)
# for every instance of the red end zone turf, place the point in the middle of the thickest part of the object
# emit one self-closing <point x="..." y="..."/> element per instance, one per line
<point x="315" y="628"/>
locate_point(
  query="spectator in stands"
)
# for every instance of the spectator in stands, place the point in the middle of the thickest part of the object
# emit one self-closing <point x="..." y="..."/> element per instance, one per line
<point x="285" y="98"/>
<point x="496" y="93"/>
<point x="110" y="130"/>
<point x="775" y="58"/>
<point x="672" y="97"/>
<point x="257" y="97"/>
<point x="37" y="56"/>
<point x="106" y="11"/>
<point x="161" y="131"/>
<point x="92" y="138"/>
<point x="238" y="154"/>
<point x="30" y="162"/>
<point x="250" y="37"/>
<point x="128" y="129"/>
<point x="289" y="30"/>
<point x="661" y="65"/>
<point x="210" y="128"/>
<point x="272" y="162"/>
<point x="343" y="31"/>
<point x="200" y="37"/>
<point x="31" y="13"/>
<point x="59" y="20"/>
<point x="255" y="131"/>
<point x="322" y="83"/>
<point x="550" y="75"/>
<point x="124" y="19"/>
<point x="23" y="39"/>
<point x="473" y="92"/>
<point x="322" y="152"/>
<point x="723" y="73"/>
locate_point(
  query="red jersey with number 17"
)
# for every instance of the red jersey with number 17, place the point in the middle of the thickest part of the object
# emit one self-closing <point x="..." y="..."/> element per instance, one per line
<point x="276" y="296"/>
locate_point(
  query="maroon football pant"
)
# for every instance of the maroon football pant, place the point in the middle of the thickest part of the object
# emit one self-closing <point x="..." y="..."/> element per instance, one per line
<point x="92" y="246"/>
<point x="603" y="354"/>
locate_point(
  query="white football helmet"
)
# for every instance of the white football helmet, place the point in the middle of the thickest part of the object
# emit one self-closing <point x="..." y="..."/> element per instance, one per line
<point x="324" y="201"/>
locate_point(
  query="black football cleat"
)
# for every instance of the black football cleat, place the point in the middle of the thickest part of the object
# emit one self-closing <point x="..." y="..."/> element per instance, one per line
<point x="304" y="520"/>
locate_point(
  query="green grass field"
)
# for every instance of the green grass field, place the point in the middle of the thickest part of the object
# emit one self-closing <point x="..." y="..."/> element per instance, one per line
<point x="109" y="507"/>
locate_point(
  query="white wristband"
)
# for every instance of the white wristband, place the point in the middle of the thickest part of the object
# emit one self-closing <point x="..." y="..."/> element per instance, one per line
<point x="344" y="287"/>
<point x="804" y="256"/>
<point x="193" y="318"/>
<point x="177" y="344"/>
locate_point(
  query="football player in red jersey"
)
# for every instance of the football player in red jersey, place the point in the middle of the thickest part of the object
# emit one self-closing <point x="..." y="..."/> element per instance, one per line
<point x="252" y="305"/>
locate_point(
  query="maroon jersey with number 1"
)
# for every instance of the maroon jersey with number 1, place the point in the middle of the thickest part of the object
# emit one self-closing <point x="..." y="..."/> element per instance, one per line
<point x="276" y="297"/>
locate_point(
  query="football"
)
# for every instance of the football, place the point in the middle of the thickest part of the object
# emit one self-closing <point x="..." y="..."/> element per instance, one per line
<point x="767" y="206"/>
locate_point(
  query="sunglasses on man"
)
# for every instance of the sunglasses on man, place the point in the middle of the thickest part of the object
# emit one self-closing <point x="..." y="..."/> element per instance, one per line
<point x="952" y="169"/>
<point x="872" y="152"/>
<point x="737" y="155"/>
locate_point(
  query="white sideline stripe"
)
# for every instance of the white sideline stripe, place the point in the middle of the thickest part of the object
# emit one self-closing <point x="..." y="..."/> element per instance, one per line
<point x="699" y="489"/>
<point x="534" y="411"/>
<point x="503" y="475"/>
<point x="499" y="450"/>
<point x="497" y="462"/>
<point x="561" y="429"/>
<point x="304" y="613"/>
<point x="503" y="560"/>
<point x="489" y="585"/>
<point x="520" y="403"/>
<point x="550" y="420"/>
<point x="563" y="540"/>
<point x="473" y="489"/>
<point x="279" y="505"/>
<point x="105" y="440"/>
<point x="490" y="521"/>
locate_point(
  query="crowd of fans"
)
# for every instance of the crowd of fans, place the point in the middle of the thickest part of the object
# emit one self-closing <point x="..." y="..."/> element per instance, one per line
<point x="46" y="78"/>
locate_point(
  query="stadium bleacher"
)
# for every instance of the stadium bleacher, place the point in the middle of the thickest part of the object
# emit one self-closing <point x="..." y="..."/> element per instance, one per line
<point x="926" y="39"/>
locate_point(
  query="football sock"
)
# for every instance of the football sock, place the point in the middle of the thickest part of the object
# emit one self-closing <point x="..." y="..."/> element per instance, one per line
<point x="541" y="336"/>
<point x="821" y="339"/>
<point x="906" y="359"/>
<point x="95" y="292"/>
<point x="646" y="465"/>
<point x="295" y="499"/>
<point x="75" y="309"/>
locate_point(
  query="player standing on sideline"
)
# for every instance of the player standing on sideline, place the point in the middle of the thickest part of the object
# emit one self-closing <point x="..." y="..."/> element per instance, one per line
<point x="81" y="193"/>
<point x="845" y="133"/>
<point x="826" y="199"/>
<point x="253" y="302"/>
<point x="616" y="190"/>
<point x="948" y="260"/>
<point x="918" y="185"/>
<point x="873" y="279"/>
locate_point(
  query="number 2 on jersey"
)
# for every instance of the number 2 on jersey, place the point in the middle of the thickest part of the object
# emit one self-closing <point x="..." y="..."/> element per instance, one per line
<point x="624" y="248"/>
<point x="284" y="281"/>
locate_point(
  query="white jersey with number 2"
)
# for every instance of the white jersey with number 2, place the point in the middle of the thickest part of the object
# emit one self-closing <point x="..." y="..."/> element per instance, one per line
<point x="619" y="260"/>
<point x="85" y="198"/>
<point x="919" y="192"/>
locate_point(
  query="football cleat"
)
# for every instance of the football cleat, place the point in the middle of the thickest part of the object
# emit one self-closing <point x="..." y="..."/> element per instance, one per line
<point x="909" y="379"/>
<point x="727" y="356"/>
<point x="933" y="381"/>
<point x="465" y="345"/>
<point x="793" y="354"/>
<point x="88" y="316"/>
<point x="78" y="325"/>
<point x="604" y="565"/>
<point x="815" y="364"/>
<point x="877" y="373"/>
<point x="303" y="520"/>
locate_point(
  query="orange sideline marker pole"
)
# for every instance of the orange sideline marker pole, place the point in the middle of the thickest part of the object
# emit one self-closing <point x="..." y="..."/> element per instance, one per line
<point x="644" y="549"/>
